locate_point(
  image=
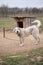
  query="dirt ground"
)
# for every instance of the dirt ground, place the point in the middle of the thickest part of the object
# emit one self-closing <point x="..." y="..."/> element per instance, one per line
<point x="10" y="44"/>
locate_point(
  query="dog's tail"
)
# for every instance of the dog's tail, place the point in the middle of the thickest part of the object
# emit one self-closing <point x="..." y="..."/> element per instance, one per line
<point x="37" y="23"/>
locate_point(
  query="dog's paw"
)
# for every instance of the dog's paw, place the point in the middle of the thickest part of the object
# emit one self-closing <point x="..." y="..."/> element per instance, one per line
<point x="21" y="45"/>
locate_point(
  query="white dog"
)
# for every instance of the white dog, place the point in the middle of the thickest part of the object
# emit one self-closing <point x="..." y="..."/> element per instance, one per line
<point x="33" y="30"/>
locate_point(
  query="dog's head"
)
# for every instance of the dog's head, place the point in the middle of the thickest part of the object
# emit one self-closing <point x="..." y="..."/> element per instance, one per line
<point x="17" y="30"/>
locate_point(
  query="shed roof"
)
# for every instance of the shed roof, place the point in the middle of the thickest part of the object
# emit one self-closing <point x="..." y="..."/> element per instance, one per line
<point x="24" y="17"/>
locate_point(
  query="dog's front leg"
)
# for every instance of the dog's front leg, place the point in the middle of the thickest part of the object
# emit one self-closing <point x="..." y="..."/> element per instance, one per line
<point x="21" y="41"/>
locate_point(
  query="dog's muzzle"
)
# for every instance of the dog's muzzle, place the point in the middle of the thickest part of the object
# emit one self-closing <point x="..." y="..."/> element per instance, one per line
<point x="17" y="32"/>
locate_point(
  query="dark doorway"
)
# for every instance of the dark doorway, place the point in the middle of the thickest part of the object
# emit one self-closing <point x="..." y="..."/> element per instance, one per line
<point x="20" y="24"/>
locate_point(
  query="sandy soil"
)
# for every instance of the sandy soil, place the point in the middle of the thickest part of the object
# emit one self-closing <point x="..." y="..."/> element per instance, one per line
<point x="10" y="44"/>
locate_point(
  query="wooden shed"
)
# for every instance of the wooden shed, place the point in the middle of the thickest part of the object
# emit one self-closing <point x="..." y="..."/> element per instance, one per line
<point x="23" y="21"/>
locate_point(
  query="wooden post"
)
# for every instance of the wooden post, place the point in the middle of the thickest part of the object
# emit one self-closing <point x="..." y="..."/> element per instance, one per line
<point x="4" y="32"/>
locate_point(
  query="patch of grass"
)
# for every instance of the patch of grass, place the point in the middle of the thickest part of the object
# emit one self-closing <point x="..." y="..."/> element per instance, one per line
<point x="35" y="57"/>
<point x="41" y="19"/>
<point x="6" y="22"/>
<point x="36" y="52"/>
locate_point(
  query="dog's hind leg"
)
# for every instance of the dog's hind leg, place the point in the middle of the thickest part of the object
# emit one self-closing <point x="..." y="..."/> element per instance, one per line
<point x="37" y="37"/>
